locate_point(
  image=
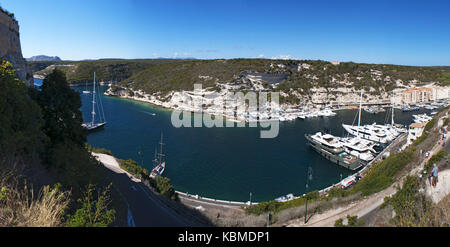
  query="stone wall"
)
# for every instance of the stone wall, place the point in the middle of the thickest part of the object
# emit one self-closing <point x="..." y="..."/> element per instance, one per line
<point x="10" y="48"/>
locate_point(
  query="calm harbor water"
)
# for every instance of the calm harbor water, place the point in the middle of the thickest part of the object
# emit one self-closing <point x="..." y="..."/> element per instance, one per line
<point x="224" y="163"/>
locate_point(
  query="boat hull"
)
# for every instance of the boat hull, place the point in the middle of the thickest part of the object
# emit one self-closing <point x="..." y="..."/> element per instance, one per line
<point x="365" y="136"/>
<point x="90" y="127"/>
<point x="331" y="156"/>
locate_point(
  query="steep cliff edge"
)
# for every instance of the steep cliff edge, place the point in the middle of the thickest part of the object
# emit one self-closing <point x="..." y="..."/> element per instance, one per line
<point x="10" y="48"/>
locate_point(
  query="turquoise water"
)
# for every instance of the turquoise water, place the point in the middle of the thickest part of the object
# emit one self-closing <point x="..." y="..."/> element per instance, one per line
<point x="224" y="163"/>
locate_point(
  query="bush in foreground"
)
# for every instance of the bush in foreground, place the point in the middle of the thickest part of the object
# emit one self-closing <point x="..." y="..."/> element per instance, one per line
<point x="94" y="210"/>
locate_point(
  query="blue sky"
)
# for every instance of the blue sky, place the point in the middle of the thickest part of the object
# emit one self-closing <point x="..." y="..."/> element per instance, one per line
<point x="395" y="32"/>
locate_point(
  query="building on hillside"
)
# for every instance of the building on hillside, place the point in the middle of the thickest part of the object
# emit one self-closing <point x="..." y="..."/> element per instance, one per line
<point x="335" y="62"/>
<point x="425" y="94"/>
<point x="417" y="95"/>
<point x="442" y="92"/>
<point x="415" y="131"/>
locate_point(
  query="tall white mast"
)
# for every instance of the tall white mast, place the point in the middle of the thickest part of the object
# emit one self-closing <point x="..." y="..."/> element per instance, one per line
<point x="93" y="103"/>
<point x="359" y="118"/>
<point x="161" y="154"/>
<point x="392" y="112"/>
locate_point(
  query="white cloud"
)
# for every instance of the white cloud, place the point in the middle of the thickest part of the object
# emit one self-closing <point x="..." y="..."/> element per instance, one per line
<point x="285" y="57"/>
<point x="261" y="56"/>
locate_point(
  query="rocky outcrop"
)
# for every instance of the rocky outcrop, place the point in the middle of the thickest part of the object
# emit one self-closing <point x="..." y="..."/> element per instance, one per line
<point x="10" y="48"/>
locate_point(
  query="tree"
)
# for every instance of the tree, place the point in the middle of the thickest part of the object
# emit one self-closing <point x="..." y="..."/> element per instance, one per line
<point x="60" y="108"/>
<point x="20" y="117"/>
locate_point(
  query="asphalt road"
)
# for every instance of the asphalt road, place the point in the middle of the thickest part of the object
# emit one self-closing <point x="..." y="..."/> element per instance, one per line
<point x="145" y="207"/>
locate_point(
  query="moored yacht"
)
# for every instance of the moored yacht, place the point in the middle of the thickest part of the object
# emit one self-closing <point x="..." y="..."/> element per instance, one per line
<point x="422" y="118"/>
<point x="90" y="126"/>
<point x="159" y="161"/>
<point x="332" y="149"/>
<point x="360" y="148"/>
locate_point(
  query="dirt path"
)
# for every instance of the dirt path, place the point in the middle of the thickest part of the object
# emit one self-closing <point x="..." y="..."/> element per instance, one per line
<point x="359" y="208"/>
<point x="442" y="187"/>
<point x="370" y="203"/>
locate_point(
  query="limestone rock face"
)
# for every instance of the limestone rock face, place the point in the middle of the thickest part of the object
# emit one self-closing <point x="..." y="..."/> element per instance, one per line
<point x="10" y="48"/>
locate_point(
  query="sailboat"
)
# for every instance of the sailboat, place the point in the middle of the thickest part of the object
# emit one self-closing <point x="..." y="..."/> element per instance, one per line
<point x="159" y="162"/>
<point x="93" y="125"/>
<point x="86" y="91"/>
<point x="374" y="132"/>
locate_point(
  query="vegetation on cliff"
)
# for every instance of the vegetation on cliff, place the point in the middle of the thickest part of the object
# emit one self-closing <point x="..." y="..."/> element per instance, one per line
<point x="106" y="69"/>
<point x="413" y="209"/>
<point x="161" y="184"/>
<point x="7" y="12"/>
<point x="302" y="75"/>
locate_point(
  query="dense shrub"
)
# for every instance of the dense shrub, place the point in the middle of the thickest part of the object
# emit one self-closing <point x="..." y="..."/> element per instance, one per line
<point x="163" y="186"/>
<point x="410" y="206"/>
<point x="420" y="139"/>
<point x="134" y="168"/>
<point x="99" y="150"/>
<point x="94" y="210"/>
<point x="382" y="175"/>
<point x="435" y="159"/>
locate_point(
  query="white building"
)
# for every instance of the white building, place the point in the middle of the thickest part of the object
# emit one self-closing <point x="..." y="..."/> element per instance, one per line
<point x="415" y="131"/>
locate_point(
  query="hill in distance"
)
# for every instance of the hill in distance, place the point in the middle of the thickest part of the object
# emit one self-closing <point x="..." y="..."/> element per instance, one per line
<point x="43" y="58"/>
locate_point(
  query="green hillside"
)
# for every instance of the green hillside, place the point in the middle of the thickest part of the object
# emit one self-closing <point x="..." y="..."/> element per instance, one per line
<point x="183" y="74"/>
<point x="106" y="69"/>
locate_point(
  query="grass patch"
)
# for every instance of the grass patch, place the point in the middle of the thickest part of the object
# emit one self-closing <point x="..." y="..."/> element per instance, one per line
<point x="430" y="124"/>
<point x="275" y="206"/>
<point x="420" y="139"/>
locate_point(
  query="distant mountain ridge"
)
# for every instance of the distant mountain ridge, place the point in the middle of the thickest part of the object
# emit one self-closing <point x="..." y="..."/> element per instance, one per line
<point x="43" y="58"/>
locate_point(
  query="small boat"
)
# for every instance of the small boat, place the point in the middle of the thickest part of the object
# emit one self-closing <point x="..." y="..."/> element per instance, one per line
<point x="422" y="118"/>
<point x="408" y="109"/>
<point x="86" y="91"/>
<point x="285" y="198"/>
<point x="326" y="113"/>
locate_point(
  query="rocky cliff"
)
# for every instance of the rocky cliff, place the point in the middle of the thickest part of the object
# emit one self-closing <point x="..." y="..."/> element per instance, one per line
<point x="10" y="48"/>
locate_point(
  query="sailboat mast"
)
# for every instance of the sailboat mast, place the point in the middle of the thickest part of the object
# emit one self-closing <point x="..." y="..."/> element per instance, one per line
<point x="161" y="154"/>
<point x="359" y="118"/>
<point x="392" y="112"/>
<point x="93" y="102"/>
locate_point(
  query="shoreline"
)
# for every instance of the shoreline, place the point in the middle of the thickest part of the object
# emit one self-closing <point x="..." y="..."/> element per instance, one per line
<point x="230" y="201"/>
